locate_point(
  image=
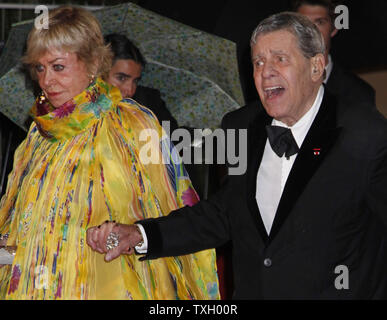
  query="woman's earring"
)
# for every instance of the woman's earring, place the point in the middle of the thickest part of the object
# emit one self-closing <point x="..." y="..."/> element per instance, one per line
<point x="42" y="97"/>
<point x="92" y="78"/>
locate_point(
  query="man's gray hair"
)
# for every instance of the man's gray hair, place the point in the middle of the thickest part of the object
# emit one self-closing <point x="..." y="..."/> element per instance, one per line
<point x="310" y="39"/>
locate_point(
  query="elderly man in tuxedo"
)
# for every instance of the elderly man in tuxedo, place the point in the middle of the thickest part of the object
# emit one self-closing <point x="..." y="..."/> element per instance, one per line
<point x="308" y="219"/>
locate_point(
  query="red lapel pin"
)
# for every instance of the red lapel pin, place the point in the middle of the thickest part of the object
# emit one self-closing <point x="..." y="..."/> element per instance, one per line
<point x="316" y="151"/>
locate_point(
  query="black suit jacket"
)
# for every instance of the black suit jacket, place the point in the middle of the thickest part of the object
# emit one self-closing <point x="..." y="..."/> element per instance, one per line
<point x="347" y="85"/>
<point x="151" y="99"/>
<point x="333" y="212"/>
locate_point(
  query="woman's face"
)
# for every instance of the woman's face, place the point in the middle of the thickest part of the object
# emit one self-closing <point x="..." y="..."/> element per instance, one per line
<point x="125" y="75"/>
<point x="61" y="76"/>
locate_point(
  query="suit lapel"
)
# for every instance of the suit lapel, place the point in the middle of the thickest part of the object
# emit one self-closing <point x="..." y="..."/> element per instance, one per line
<point x="256" y="144"/>
<point x="317" y="144"/>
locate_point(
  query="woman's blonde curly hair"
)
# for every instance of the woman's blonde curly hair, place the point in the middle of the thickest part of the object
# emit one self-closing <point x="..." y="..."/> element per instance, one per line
<point x="75" y="30"/>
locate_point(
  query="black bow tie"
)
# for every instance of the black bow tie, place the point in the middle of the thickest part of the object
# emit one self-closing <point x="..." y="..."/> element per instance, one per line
<point x="282" y="141"/>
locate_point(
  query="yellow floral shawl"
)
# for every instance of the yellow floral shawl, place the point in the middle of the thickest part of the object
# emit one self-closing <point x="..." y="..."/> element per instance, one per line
<point x="78" y="167"/>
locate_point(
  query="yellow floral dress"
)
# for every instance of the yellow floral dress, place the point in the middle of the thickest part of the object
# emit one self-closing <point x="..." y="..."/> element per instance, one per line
<point x="82" y="164"/>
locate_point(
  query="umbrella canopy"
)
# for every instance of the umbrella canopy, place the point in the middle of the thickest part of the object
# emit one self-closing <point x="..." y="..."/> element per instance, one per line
<point x="196" y="72"/>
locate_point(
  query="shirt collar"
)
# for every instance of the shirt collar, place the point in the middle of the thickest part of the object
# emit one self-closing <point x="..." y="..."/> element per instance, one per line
<point x="302" y="126"/>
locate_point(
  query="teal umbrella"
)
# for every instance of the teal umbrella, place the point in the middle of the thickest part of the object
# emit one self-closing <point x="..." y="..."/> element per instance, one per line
<point x="196" y="72"/>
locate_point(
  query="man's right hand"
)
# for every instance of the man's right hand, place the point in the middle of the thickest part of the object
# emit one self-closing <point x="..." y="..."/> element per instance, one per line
<point x="128" y="237"/>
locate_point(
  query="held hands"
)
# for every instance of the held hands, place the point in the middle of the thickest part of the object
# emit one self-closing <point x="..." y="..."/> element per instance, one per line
<point x="113" y="239"/>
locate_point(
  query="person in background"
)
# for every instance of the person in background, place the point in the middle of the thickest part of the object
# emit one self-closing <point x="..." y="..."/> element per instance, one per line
<point x="128" y="65"/>
<point x="342" y="82"/>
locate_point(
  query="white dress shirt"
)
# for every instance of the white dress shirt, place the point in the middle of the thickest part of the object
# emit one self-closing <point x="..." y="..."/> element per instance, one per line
<point x="274" y="171"/>
<point x="144" y="247"/>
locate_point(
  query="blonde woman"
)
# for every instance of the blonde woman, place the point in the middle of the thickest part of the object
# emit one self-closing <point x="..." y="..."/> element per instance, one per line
<point x="79" y="166"/>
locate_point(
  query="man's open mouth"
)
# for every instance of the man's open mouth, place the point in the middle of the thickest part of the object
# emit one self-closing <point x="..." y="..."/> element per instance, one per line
<point x="274" y="91"/>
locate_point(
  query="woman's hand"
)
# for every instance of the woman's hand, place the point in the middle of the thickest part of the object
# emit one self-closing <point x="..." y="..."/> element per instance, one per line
<point x="103" y="239"/>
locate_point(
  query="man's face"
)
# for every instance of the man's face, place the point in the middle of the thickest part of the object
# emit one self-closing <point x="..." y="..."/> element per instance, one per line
<point x="286" y="81"/>
<point x="125" y="74"/>
<point x="320" y="17"/>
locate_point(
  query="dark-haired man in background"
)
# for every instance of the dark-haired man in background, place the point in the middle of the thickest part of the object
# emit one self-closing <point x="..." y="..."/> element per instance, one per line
<point x="338" y="80"/>
<point x="128" y="65"/>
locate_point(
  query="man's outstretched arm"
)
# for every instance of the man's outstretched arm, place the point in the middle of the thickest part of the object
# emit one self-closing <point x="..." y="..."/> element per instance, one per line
<point x="186" y="230"/>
